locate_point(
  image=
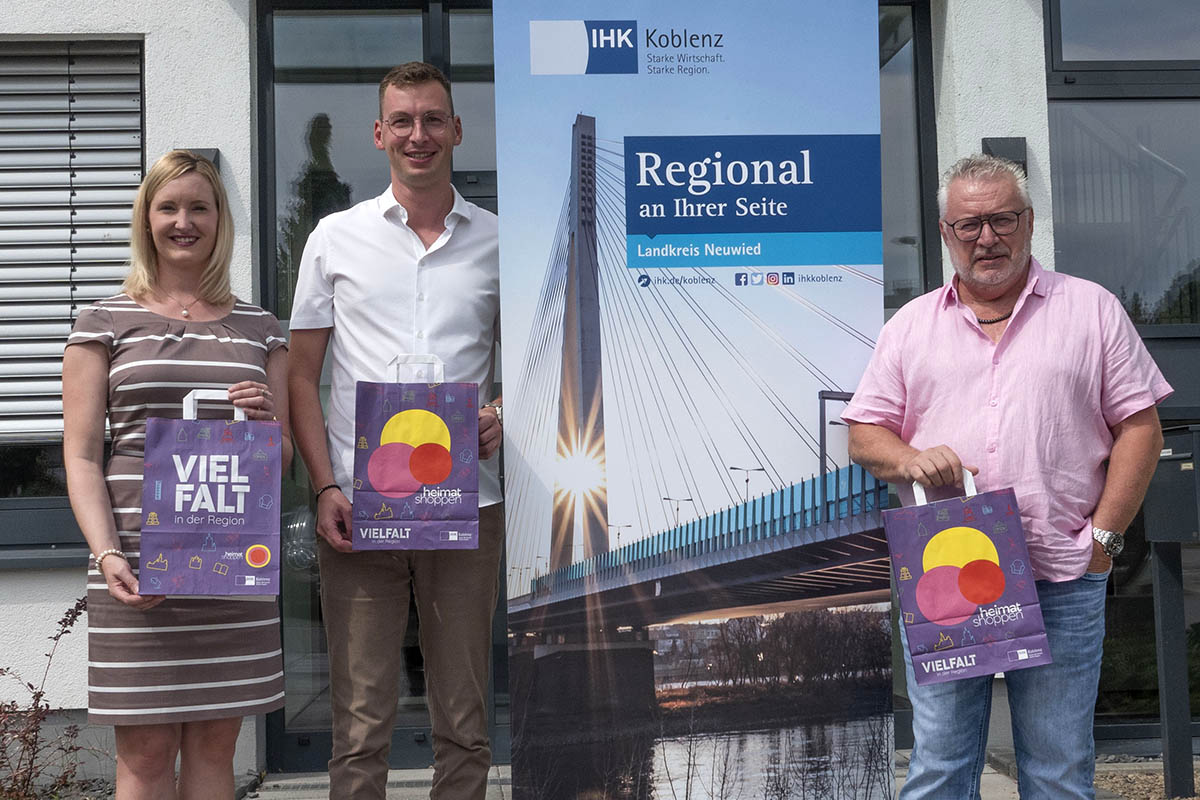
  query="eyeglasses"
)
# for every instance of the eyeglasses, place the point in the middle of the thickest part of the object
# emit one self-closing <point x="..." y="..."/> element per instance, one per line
<point x="1002" y="223"/>
<point x="434" y="122"/>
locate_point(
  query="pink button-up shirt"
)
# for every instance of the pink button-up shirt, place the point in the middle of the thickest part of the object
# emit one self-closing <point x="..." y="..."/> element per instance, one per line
<point x="1032" y="411"/>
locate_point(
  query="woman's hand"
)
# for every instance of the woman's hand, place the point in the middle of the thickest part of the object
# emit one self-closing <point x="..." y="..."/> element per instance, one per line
<point x="123" y="585"/>
<point x="254" y="398"/>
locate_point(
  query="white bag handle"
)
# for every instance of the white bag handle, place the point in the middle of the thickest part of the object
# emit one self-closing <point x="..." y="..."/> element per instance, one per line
<point x="190" y="399"/>
<point x="968" y="487"/>
<point x="429" y="368"/>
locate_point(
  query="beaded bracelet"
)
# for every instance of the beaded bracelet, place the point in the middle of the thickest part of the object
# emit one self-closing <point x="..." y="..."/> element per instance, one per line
<point x="103" y="554"/>
<point x="324" y="489"/>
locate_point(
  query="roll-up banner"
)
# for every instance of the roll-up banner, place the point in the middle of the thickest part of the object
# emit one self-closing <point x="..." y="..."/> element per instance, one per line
<point x="691" y="248"/>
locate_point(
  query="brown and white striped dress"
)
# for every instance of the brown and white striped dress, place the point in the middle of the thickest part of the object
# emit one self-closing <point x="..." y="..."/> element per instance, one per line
<point x="188" y="658"/>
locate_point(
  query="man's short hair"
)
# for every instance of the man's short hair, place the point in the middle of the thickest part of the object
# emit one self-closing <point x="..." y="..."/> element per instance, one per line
<point x="980" y="167"/>
<point x="413" y="73"/>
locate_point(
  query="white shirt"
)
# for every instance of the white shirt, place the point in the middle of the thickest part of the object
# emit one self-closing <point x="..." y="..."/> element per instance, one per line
<point x="367" y="275"/>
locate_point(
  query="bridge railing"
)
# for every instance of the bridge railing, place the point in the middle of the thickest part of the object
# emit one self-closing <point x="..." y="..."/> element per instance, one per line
<point x="850" y="491"/>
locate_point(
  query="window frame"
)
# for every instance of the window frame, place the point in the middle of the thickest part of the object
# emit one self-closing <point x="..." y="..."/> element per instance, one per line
<point x="40" y="532"/>
<point x="435" y="26"/>
<point x="436" y="34"/>
<point x="1130" y="81"/>
<point x="927" y="150"/>
<point x="1112" y="80"/>
<point x="1121" y="80"/>
<point x="436" y="46"/>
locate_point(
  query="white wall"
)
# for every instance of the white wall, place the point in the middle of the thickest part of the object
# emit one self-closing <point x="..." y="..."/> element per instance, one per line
<point x="31" y="604"/>
<point x="199" y="92"/>
<point x="989" y="74"/>
<point x="199" y="88"/>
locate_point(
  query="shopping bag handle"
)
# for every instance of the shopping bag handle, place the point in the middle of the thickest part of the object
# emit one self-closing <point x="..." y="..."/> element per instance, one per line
<point x="435" y="364"/>
<point x="190" y="399"/>
<point x="968" y="487"/>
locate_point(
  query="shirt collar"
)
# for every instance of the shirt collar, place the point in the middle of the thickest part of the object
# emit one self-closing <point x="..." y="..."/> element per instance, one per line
<point x="388" y="205"/>
<point x="1035" y="283"/>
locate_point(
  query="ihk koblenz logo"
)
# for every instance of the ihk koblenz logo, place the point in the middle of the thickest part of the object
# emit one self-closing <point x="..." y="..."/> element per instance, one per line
<point x="582" y="47"/>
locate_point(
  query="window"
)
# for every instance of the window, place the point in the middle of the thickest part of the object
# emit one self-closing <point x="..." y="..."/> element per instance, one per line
<point x="326" y="71"/>
<point x="1127" y="202"/>
<point x="70" y="165"/>
<point x="1150" y="33"/>
<point x="1124" y="86"/>
<point x="320" y="66"/>
<point x="911" y="250"/>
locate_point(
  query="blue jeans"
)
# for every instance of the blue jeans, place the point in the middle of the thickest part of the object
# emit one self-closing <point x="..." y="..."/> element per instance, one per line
<point x="1052" y="709"/>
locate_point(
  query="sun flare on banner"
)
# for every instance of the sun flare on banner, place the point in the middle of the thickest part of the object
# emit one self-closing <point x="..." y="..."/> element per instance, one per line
<point x="581" y="471"/>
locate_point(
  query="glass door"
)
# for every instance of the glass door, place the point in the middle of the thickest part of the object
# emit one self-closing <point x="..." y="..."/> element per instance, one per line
<point x="321" y="72"/>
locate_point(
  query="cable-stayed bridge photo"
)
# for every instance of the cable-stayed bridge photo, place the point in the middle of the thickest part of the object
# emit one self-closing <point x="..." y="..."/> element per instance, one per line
<point x="691" y="286"/>
<point x="657" y="398"/>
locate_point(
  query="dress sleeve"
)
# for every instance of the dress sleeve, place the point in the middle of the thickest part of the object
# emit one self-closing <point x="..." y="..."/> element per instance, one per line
<point x="94" y="324"/>
<point x="273" y="334"/>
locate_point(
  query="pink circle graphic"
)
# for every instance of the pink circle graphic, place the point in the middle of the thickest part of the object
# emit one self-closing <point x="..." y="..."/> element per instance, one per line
<point x="389" y="473"/>
<point x="981" y="581"/>
<point x="939" y="599"/>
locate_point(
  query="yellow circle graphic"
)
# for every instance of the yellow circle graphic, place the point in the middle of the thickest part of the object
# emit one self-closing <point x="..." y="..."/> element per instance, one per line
<point x="414" y="428"/>
<point x="957" y="547"/>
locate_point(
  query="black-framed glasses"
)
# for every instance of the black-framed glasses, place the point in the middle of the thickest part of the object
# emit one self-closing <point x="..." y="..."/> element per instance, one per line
<point x="434" y="122"/>
<point x="1002" y="223"/>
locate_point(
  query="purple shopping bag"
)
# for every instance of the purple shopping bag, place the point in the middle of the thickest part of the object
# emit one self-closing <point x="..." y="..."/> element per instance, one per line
<point x="416" y="471"/>
<point x="210" y="504"/>
<point x="968" y="600"/>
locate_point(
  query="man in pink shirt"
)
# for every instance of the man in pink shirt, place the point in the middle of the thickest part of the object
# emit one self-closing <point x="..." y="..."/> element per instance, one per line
<point x="1036" y="381"/>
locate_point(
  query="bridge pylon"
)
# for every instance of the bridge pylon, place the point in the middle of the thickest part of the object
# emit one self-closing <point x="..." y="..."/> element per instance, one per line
<point x="580" y="508"/>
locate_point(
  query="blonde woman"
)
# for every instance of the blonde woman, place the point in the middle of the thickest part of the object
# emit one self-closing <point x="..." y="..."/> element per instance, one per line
<point x="174" y="675"/>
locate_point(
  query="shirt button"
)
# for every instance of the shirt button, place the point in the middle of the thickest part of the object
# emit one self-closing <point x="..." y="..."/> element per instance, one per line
<point x="992" y="402"/>
<point x="421" y="296"/>
<point x="992" y="447"/>
<point x="420" y="334"/>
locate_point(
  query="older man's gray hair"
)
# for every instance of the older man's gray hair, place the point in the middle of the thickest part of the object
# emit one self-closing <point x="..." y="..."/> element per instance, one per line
<point x="982" y="167"/>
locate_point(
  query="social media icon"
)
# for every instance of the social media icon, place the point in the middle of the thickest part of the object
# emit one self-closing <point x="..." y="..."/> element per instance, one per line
<point x="740" y="279"/>
<point x="643" y="281"/>
<point x="772" y="279"/>
<point x="789" y="278"/>
<point x="756" y="279"/>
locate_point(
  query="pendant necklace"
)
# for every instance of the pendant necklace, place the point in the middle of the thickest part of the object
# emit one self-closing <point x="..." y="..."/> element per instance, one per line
<point x="183" y="309"/>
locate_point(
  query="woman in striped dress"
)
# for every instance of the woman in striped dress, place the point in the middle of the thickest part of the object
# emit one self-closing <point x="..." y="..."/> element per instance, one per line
<point x="174" y="675"/>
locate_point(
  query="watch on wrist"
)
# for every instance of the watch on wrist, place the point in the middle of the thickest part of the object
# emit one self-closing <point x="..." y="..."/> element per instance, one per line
<point x="1110" y="541"/>
<point x="499" y="411"/>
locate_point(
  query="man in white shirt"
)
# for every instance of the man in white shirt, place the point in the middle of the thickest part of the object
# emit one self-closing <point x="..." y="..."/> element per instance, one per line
<point x="412" y="271"/>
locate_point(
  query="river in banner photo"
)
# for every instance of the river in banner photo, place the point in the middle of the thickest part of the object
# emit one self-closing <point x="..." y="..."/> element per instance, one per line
<point x="781" y="707"/>
<point x="848" y="760"/>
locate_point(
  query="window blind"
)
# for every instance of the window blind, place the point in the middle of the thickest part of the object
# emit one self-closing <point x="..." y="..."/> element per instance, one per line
<point x="70" y="165"/>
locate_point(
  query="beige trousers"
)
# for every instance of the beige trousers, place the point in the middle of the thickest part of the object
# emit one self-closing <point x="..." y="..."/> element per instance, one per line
<point x="364" y="599"/>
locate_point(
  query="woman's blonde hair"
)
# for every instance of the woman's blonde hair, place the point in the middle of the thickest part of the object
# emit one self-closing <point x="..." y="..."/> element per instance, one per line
<point x="143" y="261"/>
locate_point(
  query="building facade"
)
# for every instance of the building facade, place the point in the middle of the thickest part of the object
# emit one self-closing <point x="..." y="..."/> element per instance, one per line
<point x="1098" y="104"/>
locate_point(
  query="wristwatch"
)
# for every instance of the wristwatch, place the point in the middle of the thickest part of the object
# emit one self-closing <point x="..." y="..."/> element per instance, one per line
<point x="499" y="411"/>
<point x="1110" y="541"/>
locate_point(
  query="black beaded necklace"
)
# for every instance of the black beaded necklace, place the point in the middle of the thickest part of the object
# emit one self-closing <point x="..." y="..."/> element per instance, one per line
<point x="994" y="320"/>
